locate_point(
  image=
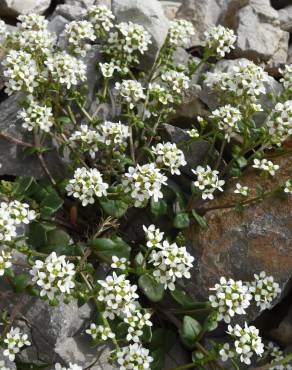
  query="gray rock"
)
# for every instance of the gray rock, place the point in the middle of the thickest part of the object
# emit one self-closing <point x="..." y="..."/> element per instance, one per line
<point x="70" y="12"/>
<point x="14" y="161"/>
<point x="150" y="15"/>
<point x="285" y="16"/>
<point x="202" y="14"/>
<point x="9" y="364"/>
<point x="57" y="24"/>
<point x="259" y="35"/>
<point x="16" y="7"/>
<point x="283" y="333"/>
<point x="170" y="8"/>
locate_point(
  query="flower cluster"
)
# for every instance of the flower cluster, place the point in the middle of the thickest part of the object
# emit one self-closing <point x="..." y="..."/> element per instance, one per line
<point x="3" y="29"/>
<point x="242" y="190"/>
<point x="277" y="356"/>
<point x="130" y="91"/>
<point x="264" y="289"/>
<point x="168" y="155"/>
<point x="226" y="352"/>
<point x="119" y="263"/>
<point x="100" y="332"/>
<point x="176" y="81"/>
<point x="171" y="262"/>
<point x="279" y="122"/>
<point x="101" y="18"/>
<point x="247" y="342"/>
<point x="137" y="321"/>
<point x="11" y="215"/>
<point x="5" y="261"/>
<point x="54" y="276"/>
<point x="126" y="42"/>
<point x="13" y="342"/>
<point x="220" y="40"/>
<point x="231" y="297"/>
<point x="287" y="76"/>
<point x="288" y="187"/>
<point x="20" y="72"/>
<point x="180" y="32"/>
<point x="118" y="295"/>
<point x="66" y="69"/>
<point x="227" y="118"/>
<point x="87" y="184"/>
<point x="114" y="133"/>
<point x="78" y="34"/>
<point x="245" y="81"/>
<point x="134" y="357"/>
<point x="159" y="94"/>
<point x="207" y="181"/>
<point x="265" y="165"/>
<point x="108" y="69"/>
<point x="144" y="182"/>
<point x="193" y="133"/>
<point x="89" y="140"/>
<point x="36" y="116"/>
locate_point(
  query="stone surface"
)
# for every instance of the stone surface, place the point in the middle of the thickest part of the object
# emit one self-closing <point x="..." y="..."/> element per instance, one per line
<point x="285" y="16"/>
<point x="170" y="8"/>
<point x="237" y="245"/>
<point x="150" y="15"/>
<point x="283" y="333"/>
<point x="259" y="35"/>
<point x="16" y="7"/>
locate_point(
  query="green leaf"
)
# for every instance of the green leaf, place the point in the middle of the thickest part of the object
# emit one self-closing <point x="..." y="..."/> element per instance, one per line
<point x="37" y="233"/>
<point x="20" y="282"/>
<point x="51" y="203"/>
<point x="185" y="300"/>
<point x="30" y="366"/>
<point x="115" y="208"/>
<point x="147" y="334"/>
<point x="158" y="339"/>
<point x="200" y="219"/>
<point x="159" y="208"/>
<point x="22" y="185"/>
<point x="151" y="288"/>
<point x="106" y="248"/>
<point x="181" y="220"/>
<point x="158" y="359"/>
<point x="190" y="330"/>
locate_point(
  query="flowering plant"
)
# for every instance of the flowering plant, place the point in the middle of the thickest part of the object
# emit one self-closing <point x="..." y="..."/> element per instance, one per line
<point x="67" y="226"/>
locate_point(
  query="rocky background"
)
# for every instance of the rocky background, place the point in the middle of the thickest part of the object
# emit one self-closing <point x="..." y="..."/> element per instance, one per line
<point x="235" y="244"/>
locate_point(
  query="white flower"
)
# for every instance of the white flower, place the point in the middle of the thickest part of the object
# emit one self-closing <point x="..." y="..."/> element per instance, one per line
<point x="78" y="34"/>
<point x="14" y="340"/>
<point x="134" y="357"/>
<point x="54" y="276"/>
<point x="231" y="297"/>
<point x="101" y="18"/>
<point x="266" y="165"/>
<point x="5" y="261"/>
<point x="279" y="122"/>
<point x="87" y="184"/>
<point x="226" y="353"/>
<point x="136" y="321"/>
<point x="193" y="133"/>
<point x="114" y="133"/>
<point x="287" y="76"/>
<point x="108" y="69"/>
<point x="247" y="341"/>
<point x="89" y="140"/>
<point x="66" y="69"/>
<point x="168" y="155"/>
<point x="32" y="22"/>
<point x="264" y="290"/>
<point x="207" y="181"/>
<point x="144" y="182"/>
<point x="277" y="356"/>
<point x="131" y="91"/>
<point x="118" y="295"/>
<point x="227" y="118"/>
<point x="20" y="72"/>
<point x="36" y="115"/>
<point x="71" y="367"/>
<point x="100" y="332"/>
<point x="180" y="32"/>
<point x="171" y="263"/>
<point x="20" y="212"/>
<point x="177" y="81"/>
<point x="159" y="93"/>
<point x="153" y="236"/>
<point x="220" y="40"/>
<point x="288" y="187"/>
<point x="119" y="263"/>
<point x="245" y="80"/>
<point x="243" y="190"/>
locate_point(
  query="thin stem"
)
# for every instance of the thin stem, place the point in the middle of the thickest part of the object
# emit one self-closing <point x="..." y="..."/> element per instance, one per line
<point x="220" y="154"/>
<point x="86" y="114"/>
<point x="131" y="142"/>
<point x="187" y="366"/>
<point x="15" y="141"/>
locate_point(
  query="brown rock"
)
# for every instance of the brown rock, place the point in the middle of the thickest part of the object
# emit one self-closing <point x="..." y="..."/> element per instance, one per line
<point x="239" y="244"/>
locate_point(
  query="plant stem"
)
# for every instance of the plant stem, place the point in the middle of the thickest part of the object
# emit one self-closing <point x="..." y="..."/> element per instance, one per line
<point x="15" y="141"/>
<point x="187" y="366"/>
<point x="220" y="154"/>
